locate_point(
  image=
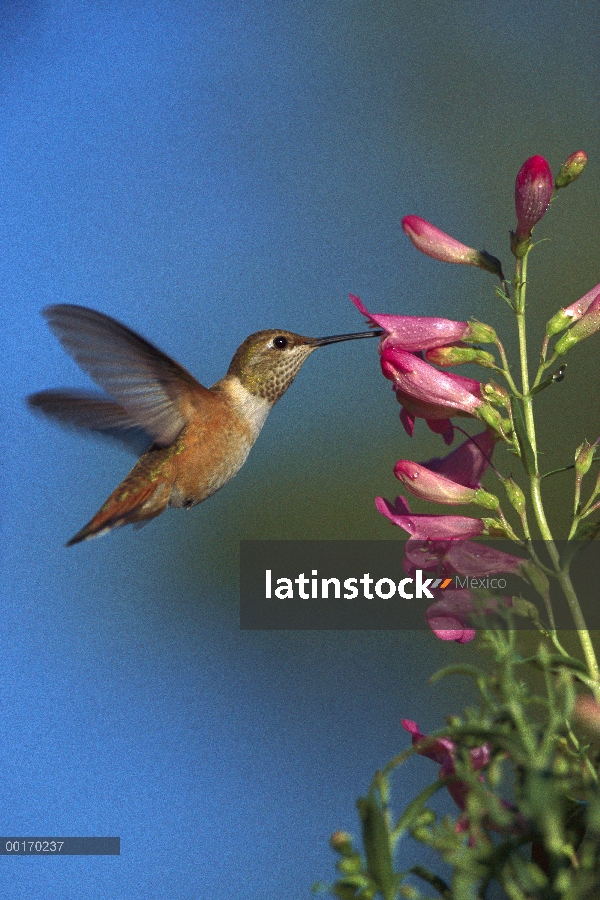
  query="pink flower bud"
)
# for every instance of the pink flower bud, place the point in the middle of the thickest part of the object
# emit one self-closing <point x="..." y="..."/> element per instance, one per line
<point x="572" y="313"/>
<point x="571" y="169"/>
<point x="587" y="325"/>
<point x="533" y="191"/>
<point x="423" y="527"/>
<point x="439" y="245"/>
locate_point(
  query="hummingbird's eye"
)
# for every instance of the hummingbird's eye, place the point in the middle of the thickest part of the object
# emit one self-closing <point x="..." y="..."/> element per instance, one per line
<point x="280" y="342"/>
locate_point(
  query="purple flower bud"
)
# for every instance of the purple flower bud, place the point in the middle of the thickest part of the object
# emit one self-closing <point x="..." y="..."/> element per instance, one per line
<point x="533" y="191"/>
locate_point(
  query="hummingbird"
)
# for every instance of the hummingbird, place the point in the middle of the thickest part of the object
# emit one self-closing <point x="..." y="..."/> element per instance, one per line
<point x="199" y="437"/>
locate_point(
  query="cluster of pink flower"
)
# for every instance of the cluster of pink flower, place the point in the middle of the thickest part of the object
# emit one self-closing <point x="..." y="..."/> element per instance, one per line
<point x="440" y="542"/>
<point x="410" y="350"/>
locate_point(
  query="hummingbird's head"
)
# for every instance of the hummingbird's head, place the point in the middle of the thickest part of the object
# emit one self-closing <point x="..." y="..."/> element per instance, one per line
<point x="268" y="361"/>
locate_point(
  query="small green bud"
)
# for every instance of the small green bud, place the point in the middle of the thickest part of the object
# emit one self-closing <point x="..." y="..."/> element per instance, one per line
<point x="496" y="528"/>
<point x="350" y="865"/>
<point x="341" y="842"/>
<point x="421" y="834"/>
<point x="584" y="456"/>
<point x="525" y="608"/>
<point x="480" y="333"/>
<point x="496" y="394"/>
<point x="561" y="766"/>
<point x="488" y="501"/>
<point x="558" y="323"/>
<point x="537" y="578"/>
<point x="571" y="169"/>
<point x="427" y="817"/>
<point x="458" y="356"/>
<point x="587" y="325"/>
<point x="491" y="417"/>
<point x="515" y="495"/>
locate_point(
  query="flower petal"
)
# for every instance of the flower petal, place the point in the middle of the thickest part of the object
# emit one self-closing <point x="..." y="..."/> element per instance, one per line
<point x="425" y="527"/>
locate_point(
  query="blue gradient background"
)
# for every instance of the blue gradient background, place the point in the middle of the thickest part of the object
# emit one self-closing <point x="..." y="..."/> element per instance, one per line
<point x="202" y="171"/>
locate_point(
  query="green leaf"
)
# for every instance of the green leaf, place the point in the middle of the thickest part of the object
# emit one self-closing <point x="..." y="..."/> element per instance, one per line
<point x="415" y="809"/>
<point x="376" y="842"/>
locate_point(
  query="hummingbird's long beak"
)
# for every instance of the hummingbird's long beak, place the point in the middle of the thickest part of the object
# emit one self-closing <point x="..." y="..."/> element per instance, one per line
<point x="333" y="339"/>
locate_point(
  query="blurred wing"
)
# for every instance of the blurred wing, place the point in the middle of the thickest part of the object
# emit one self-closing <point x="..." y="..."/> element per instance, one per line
<point x="155" y="392"/>
<point x="95" y="412"/>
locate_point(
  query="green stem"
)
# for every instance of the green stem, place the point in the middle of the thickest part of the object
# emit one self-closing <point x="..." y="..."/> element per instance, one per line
<point x="535" y="486"/>
<point x="506" y="367"/>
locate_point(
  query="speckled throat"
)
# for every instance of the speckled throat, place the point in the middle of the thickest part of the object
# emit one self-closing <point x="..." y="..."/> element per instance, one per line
<point x="267" y="362"/>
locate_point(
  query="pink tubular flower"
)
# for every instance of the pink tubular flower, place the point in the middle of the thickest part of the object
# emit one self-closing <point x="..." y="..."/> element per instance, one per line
<point x="417" y="333"/>
<point x="439" y="245"/>
<point x="571" y="314"/>
<point x="467" y="464"/>
<point x="428" y="485"/>
<point x="443" y="752"/>
<point x="426" y="392"/>
<point x="423" y="527"/>
<point x="466" y="558"/>
<point x="450" y="617"/>
<point x="533" y="192"/>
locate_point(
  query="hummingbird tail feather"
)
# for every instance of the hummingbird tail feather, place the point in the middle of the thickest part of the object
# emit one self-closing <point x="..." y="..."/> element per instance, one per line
<point x="124" y="507"/>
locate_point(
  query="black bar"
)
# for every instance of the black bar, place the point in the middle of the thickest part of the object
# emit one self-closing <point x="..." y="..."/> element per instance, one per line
<point x="60" y="846"/>
<point x="366" y="585"/>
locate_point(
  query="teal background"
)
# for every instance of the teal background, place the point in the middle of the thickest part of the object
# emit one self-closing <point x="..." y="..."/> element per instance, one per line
<point x="201" y="171"/>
